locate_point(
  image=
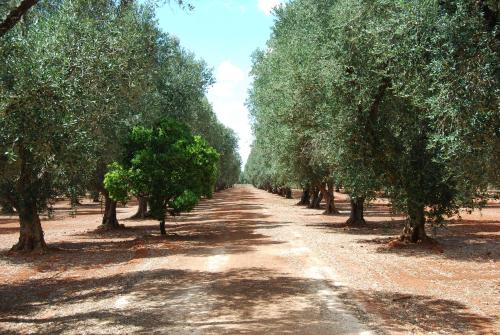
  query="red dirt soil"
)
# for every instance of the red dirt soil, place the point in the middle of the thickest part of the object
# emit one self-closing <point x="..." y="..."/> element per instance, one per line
<point x="249" y="262"/>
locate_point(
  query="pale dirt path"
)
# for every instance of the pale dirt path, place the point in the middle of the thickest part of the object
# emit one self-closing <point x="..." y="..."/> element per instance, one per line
<point x="245" y="262"/>
<point x="452" y="288"/>
<point x="222" y="271"/>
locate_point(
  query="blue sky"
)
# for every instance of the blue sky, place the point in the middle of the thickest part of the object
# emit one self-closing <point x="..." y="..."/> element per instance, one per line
<point x="224" y="33"/>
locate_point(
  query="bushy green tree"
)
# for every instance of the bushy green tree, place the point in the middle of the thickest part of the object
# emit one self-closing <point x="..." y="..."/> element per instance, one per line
<point x="166" y="164"/>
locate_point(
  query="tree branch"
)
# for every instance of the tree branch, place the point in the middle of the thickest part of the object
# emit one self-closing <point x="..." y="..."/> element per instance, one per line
<point x="15" y="15"/>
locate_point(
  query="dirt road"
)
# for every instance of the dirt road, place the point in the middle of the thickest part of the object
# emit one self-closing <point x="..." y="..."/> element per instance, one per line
<point x="245" y="262"/>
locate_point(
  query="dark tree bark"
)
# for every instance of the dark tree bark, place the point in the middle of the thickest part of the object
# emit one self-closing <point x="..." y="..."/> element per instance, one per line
<point x="6" y="208"/>
<point x="316" y="198"/>
<point x="74" y="201"/>
<point x="490" y="15"/>
<point x="414" y="229"/>
<point x="288" y="193"/>
<point x="330" y="200"/>
<point x="109" y="220"/>
<point x="15" y="15"/>
<point x="305" y="199"/>
<point x="356" y="217"/>
<point x="31" y="233"/>
<point x="142" y="209"/>
<point x="95" y="196"/>
<point x="163" y="231"/>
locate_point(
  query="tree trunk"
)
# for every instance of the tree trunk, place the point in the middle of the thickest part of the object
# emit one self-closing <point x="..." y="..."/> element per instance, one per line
<point x="6" y="208"/>
<point x="162" y="227"/>
<point x="305" y="199"/>
<point x="316" y="199"/>
<point x="31" y="233"/>
<point x="414" y="229"/>
<point x="288" y="193"/>
<point x="14" y="15"/>
<point x="330" y="200"/>
<point x="357" y="212"/>
<point x="95" y="196"/>
<point x="109" y="219"/>
<point x="142" y="209"/>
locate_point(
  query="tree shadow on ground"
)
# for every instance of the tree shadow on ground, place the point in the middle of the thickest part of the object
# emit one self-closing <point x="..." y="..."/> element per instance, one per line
<point x="469" y="240"/>
<point x="408" y="313"/>
<point x="380" y="227"/>
<point x="8" y="220"/>
<point x="215" y="224"/>
<point x="242" y="301"/>
<point x="94" y="250"/>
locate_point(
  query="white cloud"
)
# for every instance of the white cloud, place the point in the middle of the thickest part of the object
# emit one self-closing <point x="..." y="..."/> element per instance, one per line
<point x="227" y="71"/>
<point x="267" y="6"/>
<point x="228" y="97"/>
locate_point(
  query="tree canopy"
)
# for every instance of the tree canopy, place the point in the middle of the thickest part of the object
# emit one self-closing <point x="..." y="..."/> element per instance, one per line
<point x="166" y="164"/>
<point x="380" y="96"/>
<point x="75" y="78"/>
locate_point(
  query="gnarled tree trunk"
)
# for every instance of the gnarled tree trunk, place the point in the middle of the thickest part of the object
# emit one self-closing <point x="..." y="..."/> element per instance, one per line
<point x="109" y="220"/>
<point x="356" y="217"/>
<point x="414" y="229"/>
<point x="95" y="196"/>
<point x="288" y="193"/>
<point x="305" y="199"/>
<point x="142" y="209"/>
<point x="330" y="200"/>
<point x="15" y="15"/>
<point x="316" y="198"/>
<point x="163" y="231"/>
<point x="31" y="233"/>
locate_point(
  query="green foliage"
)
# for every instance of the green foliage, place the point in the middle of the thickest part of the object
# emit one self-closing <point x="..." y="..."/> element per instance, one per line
<point x="400" y="97"/>
<point x="224" y="140"/>
<point x="116" y="182"/>
<point x="75" y="78"/>
<point x="184" y="202"/>
<point x="166" y="164"/>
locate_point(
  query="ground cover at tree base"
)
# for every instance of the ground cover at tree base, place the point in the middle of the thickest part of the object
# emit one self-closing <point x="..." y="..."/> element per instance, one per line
<point x="250" y="262"/>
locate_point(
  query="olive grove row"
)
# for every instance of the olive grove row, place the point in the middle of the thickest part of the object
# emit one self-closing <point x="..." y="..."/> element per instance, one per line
<point x="90" y="89"/>
<point x="398" y="98"/>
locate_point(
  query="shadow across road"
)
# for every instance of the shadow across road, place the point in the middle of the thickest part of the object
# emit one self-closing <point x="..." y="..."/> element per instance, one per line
<point x="244" y="301"/>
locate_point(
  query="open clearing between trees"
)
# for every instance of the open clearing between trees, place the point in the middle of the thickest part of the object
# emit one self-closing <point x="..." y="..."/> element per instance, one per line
<point x="249" y="262"/>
